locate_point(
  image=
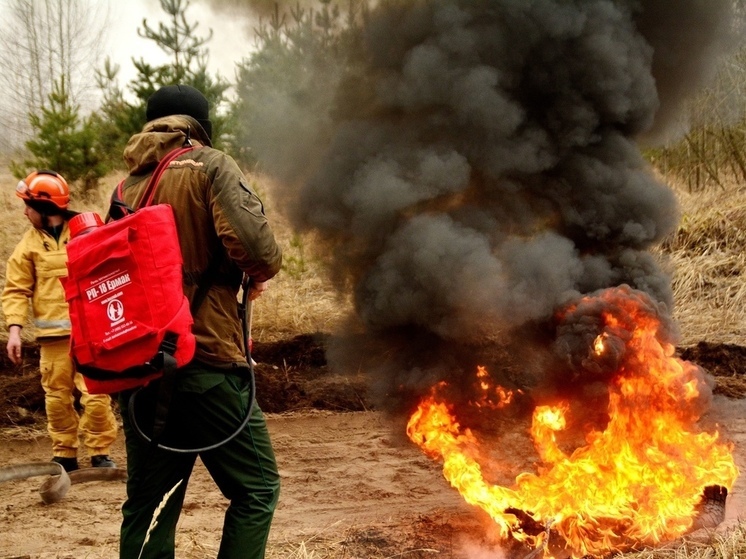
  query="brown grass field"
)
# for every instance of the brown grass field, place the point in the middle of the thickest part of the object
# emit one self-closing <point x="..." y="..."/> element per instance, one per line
<point x="706" y="259"/>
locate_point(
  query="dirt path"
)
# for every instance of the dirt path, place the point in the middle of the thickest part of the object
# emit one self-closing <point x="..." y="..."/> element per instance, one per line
<point x="352" y="487"/>
<point x="340" y="472"/>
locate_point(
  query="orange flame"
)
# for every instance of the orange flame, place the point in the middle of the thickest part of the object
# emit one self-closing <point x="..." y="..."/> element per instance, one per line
<point x="494" y="397"/>
<point x="636" y="482"/>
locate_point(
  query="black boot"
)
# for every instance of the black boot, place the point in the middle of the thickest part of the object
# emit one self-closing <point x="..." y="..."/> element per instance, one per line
<point x="102" y="461"/>
<point x="70" y="464"/>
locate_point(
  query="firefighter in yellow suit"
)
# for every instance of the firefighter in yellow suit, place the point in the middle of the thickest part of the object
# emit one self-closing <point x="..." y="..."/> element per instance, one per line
<point x="33" y="276"/>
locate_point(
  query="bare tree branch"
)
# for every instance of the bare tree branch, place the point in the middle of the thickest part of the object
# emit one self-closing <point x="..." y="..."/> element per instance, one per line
<point x="42" y="42"/>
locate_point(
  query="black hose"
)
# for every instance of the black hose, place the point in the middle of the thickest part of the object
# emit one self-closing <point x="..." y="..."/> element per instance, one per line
<point x="252" y="391"/>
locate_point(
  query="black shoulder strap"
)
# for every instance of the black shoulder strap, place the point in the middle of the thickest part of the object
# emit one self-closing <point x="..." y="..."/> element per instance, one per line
<point x="118" y="208"/>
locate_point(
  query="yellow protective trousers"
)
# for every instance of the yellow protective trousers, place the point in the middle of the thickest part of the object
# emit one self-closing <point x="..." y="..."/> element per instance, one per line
<point x="96" y="423"/>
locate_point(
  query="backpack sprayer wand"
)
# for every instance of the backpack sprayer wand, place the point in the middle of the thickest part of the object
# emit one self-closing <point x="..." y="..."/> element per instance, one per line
<point x="246" y="311"/>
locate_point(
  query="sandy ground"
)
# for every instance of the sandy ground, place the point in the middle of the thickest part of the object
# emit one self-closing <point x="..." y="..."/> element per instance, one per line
<point x="352" y="487"/>
<point x="339" y="472"/>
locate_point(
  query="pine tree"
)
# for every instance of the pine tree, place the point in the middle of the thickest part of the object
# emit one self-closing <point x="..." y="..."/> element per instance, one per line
<point x="300" y="59"/>
<point x="188" y="65"/>
<point x="62" y="142"/>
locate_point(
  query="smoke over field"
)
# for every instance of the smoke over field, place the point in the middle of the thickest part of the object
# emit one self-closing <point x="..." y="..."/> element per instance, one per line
<point x="473" y="166"/>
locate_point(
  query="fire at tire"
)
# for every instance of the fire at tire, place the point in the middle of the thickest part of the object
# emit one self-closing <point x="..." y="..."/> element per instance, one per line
<point x="638" y="480"/>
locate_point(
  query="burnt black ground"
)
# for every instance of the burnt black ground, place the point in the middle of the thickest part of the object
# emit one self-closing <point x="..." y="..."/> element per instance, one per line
<point x="292" y="374"/>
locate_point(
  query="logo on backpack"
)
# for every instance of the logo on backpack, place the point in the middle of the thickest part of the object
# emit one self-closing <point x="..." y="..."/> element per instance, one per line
<point x="115" y="311"/>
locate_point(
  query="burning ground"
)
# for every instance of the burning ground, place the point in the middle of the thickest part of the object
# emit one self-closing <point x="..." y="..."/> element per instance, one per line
<point x="638" y="476"/>
<point x="352" y="485"/>
<point x="477" y="182"/>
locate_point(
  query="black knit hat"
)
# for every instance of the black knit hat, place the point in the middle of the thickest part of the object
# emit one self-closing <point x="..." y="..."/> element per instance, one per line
<point x="180" y="100"/>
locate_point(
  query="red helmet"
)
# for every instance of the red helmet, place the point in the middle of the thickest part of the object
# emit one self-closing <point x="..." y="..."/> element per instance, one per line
<point x="44" y="186"/>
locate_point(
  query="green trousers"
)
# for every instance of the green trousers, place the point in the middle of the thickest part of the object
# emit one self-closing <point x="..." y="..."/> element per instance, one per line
<point x="206" y="407"/>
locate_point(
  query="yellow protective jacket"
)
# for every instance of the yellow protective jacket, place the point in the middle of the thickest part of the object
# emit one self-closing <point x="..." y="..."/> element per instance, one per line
<point x="220" y="222"/>
<point x="33" y="275"/>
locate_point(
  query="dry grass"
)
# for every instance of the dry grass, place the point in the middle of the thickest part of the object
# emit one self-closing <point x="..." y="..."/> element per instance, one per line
<point x="707" y="258"/>
<point x="325" y="544"/>
<point x="729" y="545"/>
<point x="299" y="300"/>
<point x="23" y="432"/>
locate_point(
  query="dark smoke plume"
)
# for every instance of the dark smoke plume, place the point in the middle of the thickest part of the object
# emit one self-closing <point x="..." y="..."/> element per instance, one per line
<point x="477" y="167"/>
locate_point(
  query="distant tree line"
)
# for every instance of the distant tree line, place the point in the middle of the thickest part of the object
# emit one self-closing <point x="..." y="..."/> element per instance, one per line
<point x="84" y="146"/>
<point x="712" y="152"/>
<point x="297" y="55"/>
